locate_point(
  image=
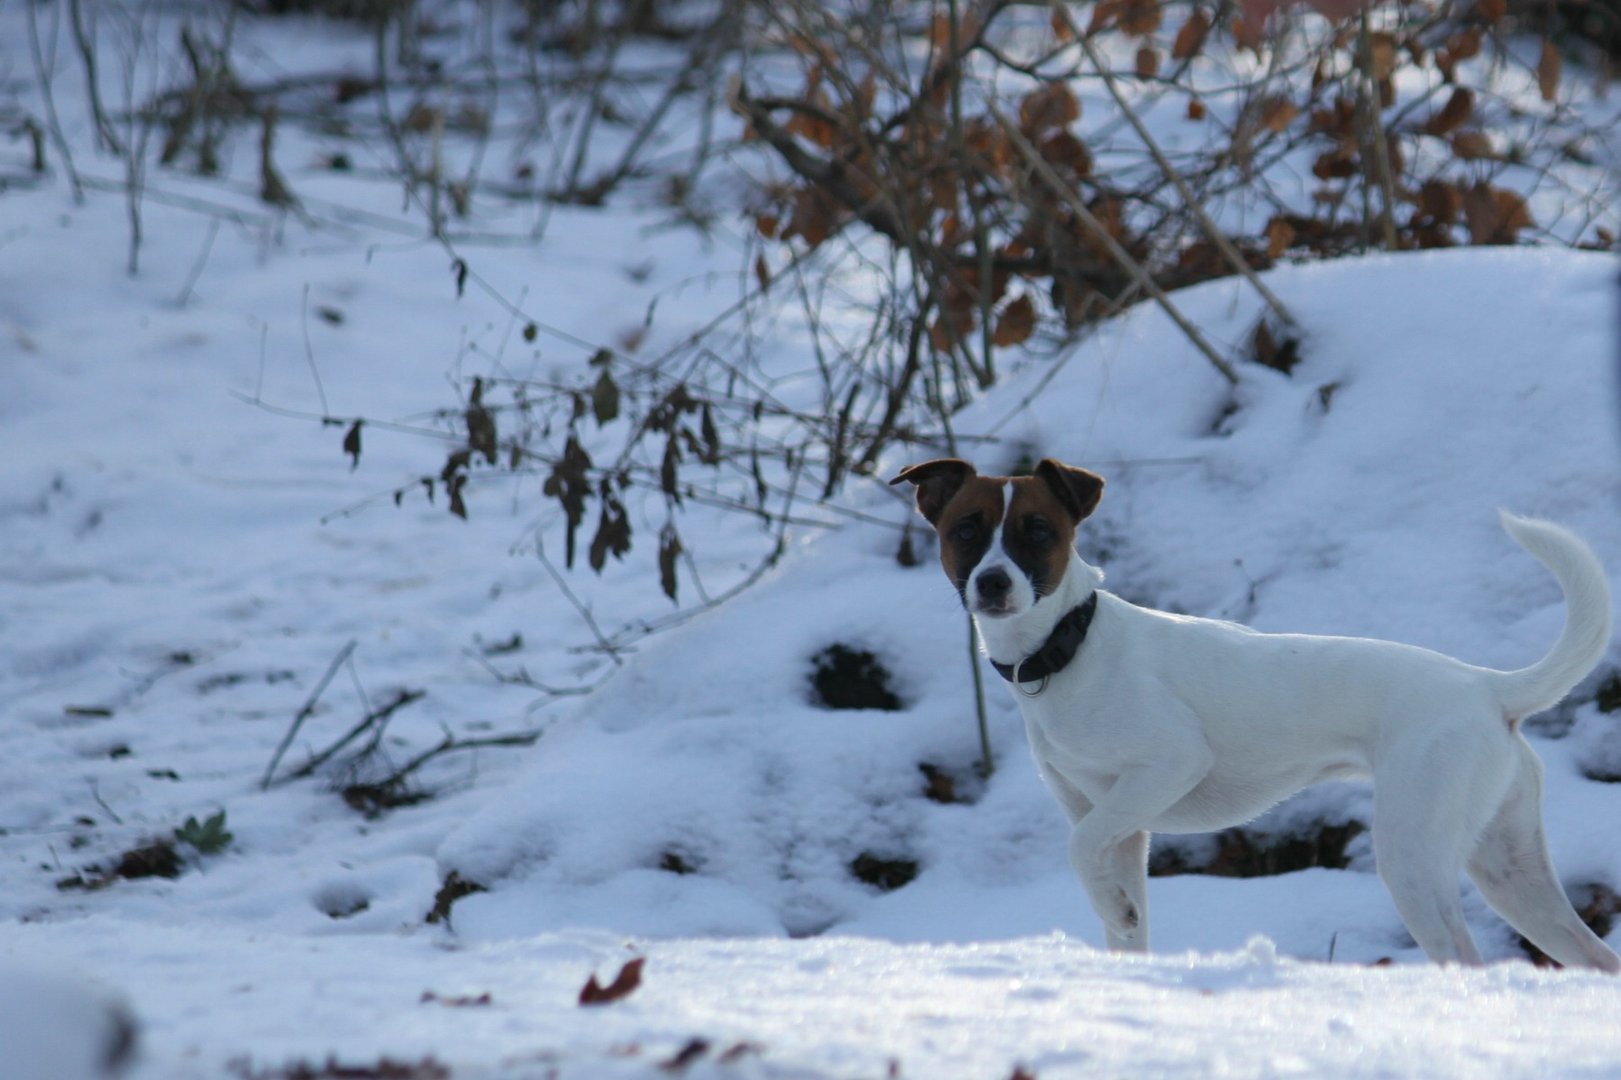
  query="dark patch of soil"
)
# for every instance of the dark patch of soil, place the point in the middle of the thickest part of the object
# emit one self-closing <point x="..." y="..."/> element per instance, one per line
<point x="847" y="678"/>
<point x="885" y="874"/>
<point x="1243" y="854"/>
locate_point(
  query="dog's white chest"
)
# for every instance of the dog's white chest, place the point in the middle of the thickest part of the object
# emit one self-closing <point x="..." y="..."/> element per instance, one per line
<point x="1085" y="746"/>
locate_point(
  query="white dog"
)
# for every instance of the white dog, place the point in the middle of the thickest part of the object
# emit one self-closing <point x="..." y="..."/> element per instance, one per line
<point x="1143" y="721"/>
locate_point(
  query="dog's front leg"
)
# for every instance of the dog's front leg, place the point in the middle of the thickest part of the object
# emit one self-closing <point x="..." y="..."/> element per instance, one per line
<point x="1128" y="883"/>
<point x="1108" y="848"/>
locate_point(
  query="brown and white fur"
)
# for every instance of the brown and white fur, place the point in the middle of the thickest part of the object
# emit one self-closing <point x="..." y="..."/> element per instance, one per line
<point x="1168" y="723"/>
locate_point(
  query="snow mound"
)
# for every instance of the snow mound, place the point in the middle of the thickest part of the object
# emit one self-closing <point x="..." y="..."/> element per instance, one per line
<point x="705" y="792"/>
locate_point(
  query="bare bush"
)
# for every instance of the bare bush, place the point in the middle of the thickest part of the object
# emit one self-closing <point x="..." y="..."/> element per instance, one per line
<point x="1006" y="174"/>
<point x="976" y="181"/>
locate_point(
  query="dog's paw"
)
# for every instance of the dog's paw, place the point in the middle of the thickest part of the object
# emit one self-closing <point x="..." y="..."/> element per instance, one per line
<point x="1120" y="914"/>
<point x="1129" y="918"/>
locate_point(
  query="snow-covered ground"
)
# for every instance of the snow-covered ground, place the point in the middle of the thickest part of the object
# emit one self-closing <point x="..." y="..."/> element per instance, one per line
<point x="175" y="581"/>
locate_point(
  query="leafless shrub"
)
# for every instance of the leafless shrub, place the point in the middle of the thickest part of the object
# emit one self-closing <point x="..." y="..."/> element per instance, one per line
<point x="997" y="176"/>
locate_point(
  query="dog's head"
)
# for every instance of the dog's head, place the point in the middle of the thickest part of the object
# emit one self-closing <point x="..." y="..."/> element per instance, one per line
<point x="1005" y="542"/>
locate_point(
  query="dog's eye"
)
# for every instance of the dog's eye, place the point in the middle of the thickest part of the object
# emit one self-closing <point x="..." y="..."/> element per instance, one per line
<point x="965" y="531"/>
<point x="1038" y="531"/>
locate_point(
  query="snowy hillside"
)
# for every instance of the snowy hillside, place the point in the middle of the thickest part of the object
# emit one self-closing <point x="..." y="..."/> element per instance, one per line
<point x="195" y="585"/>
<point x="1373" y="514"/>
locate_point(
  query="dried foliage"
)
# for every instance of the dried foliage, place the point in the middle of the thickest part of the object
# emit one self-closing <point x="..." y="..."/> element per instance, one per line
<point x="998" y="155"/>
<point x="1244" y="852"/>
<point x="914" y="151"/>
<point x="980" y="180"/>
<point x="623" y="985"/>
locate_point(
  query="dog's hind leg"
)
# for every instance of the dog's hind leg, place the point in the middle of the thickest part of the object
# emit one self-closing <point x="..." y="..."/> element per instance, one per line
<point x="1425" y="889"/>
<point x="1513" y="871"/>
<point x="1430" y="801"/>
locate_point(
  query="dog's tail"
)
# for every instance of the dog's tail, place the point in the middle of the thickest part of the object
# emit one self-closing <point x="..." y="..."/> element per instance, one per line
<point x="1587" y="618"/>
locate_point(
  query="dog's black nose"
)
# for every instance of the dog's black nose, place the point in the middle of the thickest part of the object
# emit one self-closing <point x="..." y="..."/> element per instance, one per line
<point x="993" y="584"/>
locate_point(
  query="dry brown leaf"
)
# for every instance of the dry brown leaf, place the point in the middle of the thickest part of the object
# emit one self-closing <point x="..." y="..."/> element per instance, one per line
<point x="423" y="118"/>
<point x="1248" y="33"/>
<point x="1495" y="215"/>
<point x="1279" y="236"/>
<point x="1065" y="151"/>
<point x="805" y="45"/>
<point x="1491" y="10"/>
<point x="1464" y="45"/>
<point x="762" y="272"/>
<point x="1190" y="39"/>
<point x="1015" y="324"/>
<point x="1147" y="62"/>
<point x="1060" y="25"/>
<point x="1333" y="165"/>
<point x="1196" y="109"/>
<point x="1548" y="68"/>
<point x="1383" y="50"/>
<point x="1453" y="114"/>
<point x="1472" y="145"/>
<point x="866" y="93"/>
<point x="940" y="31"/>
<point x="1513" y="209"/>
<point x="669" y="551"/>
<point x="1440" y="201"/>
<point x="1320" y="74"/>
<point x="1338" y="120"/>
<point x="1104" y="13"/>
<point x="1139" y="18"/>
<point x="1052" y="106"/>
<point x="628" y="979"/>
<point x="814" y="218"/>
<point x="1277" y="113"/>
<point x="813" y="127"/>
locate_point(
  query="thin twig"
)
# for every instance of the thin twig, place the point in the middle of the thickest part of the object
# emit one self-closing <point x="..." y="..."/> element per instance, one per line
<point x="593" y="108"/>
<point x="304" y="713"/>
<point x="584" y="612"/>
<point x="524" y="679"/>
<point x="1234" y="258"/>
<point x="374" y="718"/>
<point x="1119" y="254"/>
<point x="47" y="75"/>
<point x="197" y="267"/>
<point x="84" y="38"/>
<point x="309" y="350"/>
<point x="95" y="793"/>
<point x="451" y="744"/>
<point x="987" y="764"/>
<point x="633" y="632"/>
<point x="1374" y="134"/>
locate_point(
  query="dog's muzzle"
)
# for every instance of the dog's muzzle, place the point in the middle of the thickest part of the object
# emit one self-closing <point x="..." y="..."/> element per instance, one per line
<point x="993" y="589"/>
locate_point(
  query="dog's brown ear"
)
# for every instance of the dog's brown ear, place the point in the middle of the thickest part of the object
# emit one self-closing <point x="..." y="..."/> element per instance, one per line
<point x="937" y="481"/>
<point x="1079" y="490"/>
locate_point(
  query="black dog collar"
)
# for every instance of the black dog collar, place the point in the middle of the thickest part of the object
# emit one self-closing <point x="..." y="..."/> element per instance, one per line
<point x="1059" y="648"/>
